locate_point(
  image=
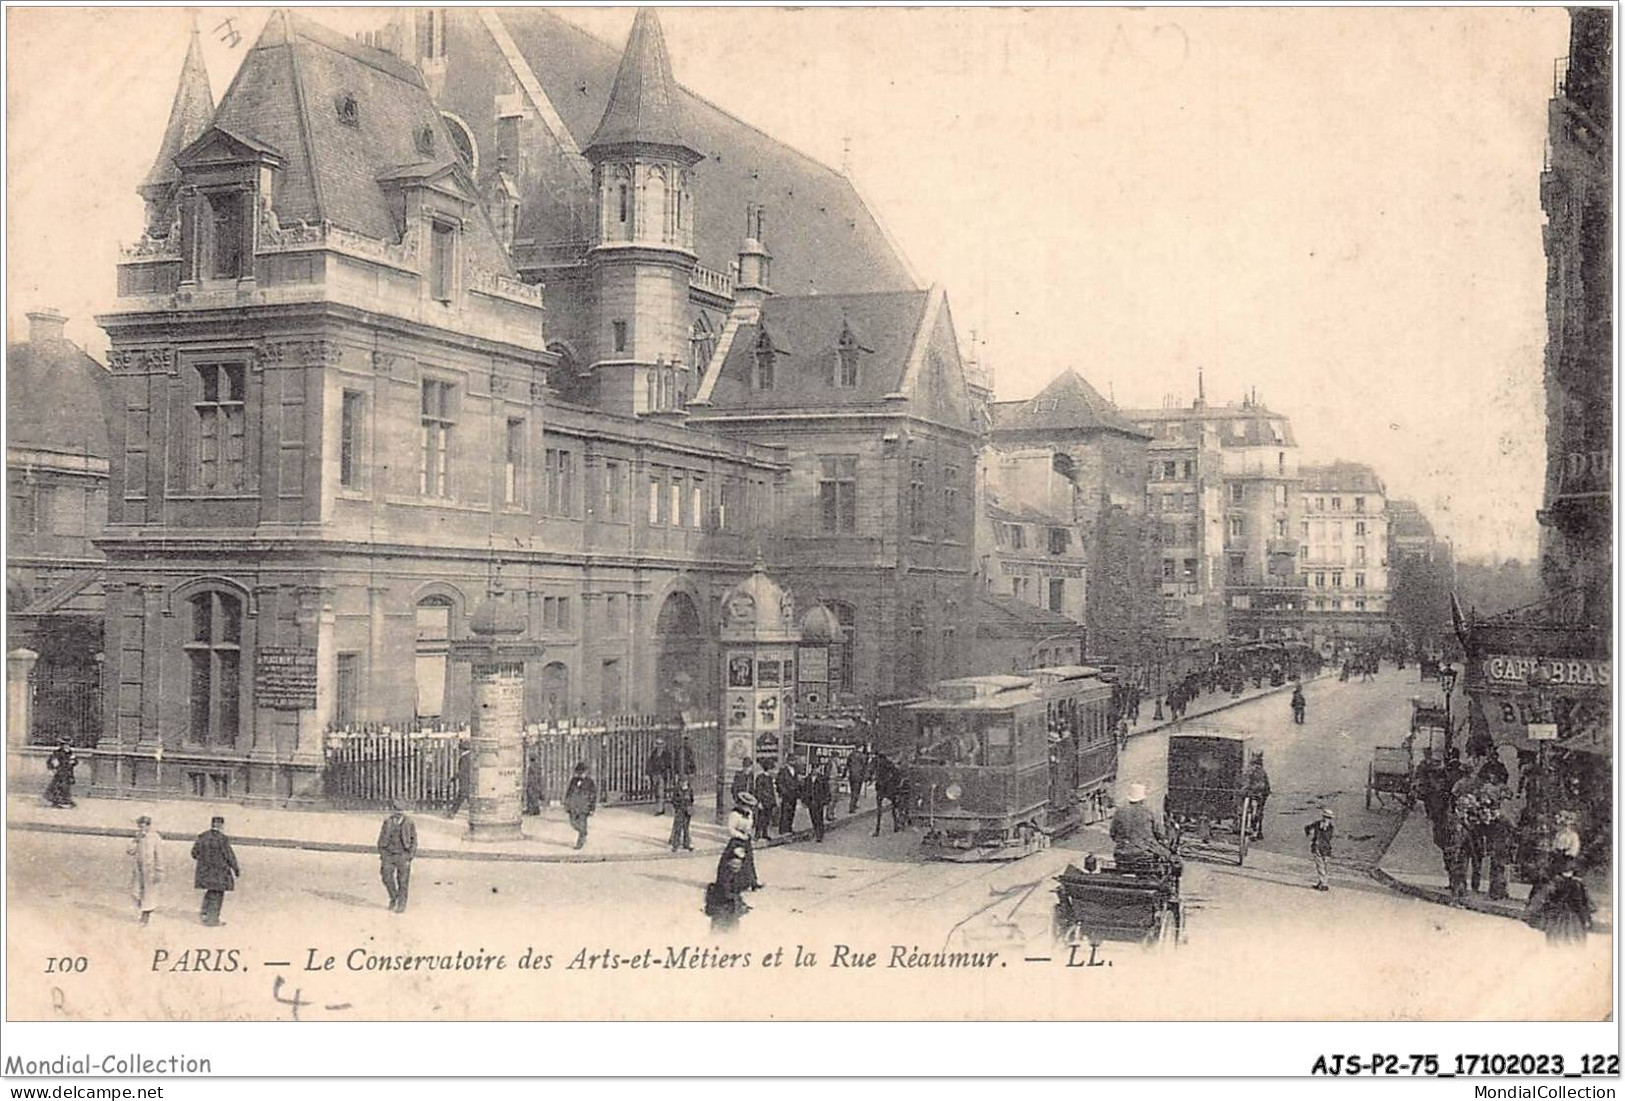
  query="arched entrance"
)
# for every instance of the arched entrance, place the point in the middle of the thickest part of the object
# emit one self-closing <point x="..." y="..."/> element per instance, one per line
<point x="684" y="656"/>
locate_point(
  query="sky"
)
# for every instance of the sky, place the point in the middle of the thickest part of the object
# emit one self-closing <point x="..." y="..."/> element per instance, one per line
<point x="1336" y="207"/>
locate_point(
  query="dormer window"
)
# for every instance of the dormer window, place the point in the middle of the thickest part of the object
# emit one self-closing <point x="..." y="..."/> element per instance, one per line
<point x="222" y="234"/>
<point x="349" y="111"/>
<point x="763" y="356"/>
<point x="442" y="252"/>
<point x="425" y="140"/>
<point x="846" y="359"/>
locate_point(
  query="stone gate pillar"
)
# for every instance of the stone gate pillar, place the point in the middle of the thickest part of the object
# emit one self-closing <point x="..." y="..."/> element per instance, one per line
<point x="496" y="653"/>
<point x="19" y="667"/>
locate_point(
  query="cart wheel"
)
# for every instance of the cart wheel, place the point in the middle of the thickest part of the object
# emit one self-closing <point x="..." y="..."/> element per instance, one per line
<point x="1246" y="831"/>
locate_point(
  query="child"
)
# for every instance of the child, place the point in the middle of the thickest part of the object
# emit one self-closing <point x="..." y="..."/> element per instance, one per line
<point x="682" y="812"/>
<point x="1320" y="847"/>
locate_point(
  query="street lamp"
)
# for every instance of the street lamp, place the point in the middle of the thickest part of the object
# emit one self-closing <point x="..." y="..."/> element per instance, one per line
<point x="1447" y="681"/>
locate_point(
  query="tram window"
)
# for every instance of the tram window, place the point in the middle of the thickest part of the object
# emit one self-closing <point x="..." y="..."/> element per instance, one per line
<point x="997" y="739"/>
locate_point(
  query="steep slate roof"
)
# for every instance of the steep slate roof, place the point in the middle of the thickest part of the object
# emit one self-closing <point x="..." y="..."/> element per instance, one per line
<point x="643" y="104"/>
<point x="1256" y="420"/>
<point x="1340" y="475"/>
<point x="57" y="399"/>
<point x="189" y="115"/>
<point x="286" y="96"/>
<point x="820" y="233"/>
<point x="1068" y="403"/>
<point x="805" y="332"/>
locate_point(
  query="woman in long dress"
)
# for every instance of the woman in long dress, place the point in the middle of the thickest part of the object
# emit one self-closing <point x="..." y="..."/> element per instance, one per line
<point x="147" y="869"/>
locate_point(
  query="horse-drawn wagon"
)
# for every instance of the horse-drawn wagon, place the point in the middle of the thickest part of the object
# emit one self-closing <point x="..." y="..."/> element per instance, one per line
<point x="1135" y="905"/>
<point x="1208" y="798"/>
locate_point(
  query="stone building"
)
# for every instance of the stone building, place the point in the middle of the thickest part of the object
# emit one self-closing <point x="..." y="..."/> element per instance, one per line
<point x="1576" y="193"/>
<point x="1343" y="553"/>
<point x="1258" y="506"/>
<point x="341" y="407"/>
<point x="1030" y="543"/>
<point x="1104" y="457"/>
<point x="56" y="503"/>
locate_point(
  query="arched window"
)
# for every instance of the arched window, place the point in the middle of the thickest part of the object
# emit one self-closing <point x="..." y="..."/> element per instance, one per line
<point x="702" y="343"/>
<point x="763" y="356"/>
<point x="462" y="139"/>
<point x="433" y="653"/>
<point x="843" y="649"/>
<point x="214" y="651"/>
<point x="556" y="689"/>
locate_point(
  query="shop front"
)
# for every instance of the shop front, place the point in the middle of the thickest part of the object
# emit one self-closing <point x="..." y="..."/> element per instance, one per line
<point x="1543" y="690"/>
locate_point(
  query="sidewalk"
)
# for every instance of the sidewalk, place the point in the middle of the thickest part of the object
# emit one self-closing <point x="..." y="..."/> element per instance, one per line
<point x="618" y="833"/>
<point x="1412" y="865"/>
<point x="1209" y="703"/>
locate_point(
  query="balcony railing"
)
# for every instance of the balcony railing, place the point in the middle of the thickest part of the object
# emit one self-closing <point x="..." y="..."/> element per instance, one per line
<point x="715" y="282"/>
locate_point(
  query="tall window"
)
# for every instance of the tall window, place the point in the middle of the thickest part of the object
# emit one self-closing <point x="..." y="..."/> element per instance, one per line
<point x="619" y="328"/>
<point x="1359" y="529"/>
<point x="1359" y="504"/>
<point x="1238" y="492"/>
<point x="1235" y="527"/>
<point x="1359" y="580"/>
<point x="697" y="504"/>
<point x="1280" y="496"/>
<point x="763" y="355"/>
<point x="950" y="498"/>
<point x="846" y="360"/>
<point x="1057" y="594"/>
<point x="215" y="654"/>
<point x="676" y="490"/>
<point x="657" y="497"/>
<point x="614" y="491"/>
<point x="841" y="649"/>
<point x="513" y="467"/>
<point x="225" y="235"/>
<point x="838" y="492"/>
<point x="610" y="686"/>
<point x="1359" y="556"/>
<point x="220" y="426"/>
<point x="442" y="241"/>
<point x="561" y="489"/>
<point x="434" y="475"/>
<point x="433" y="652"/>
<point x="346" y="688"/>
<point x="352" y="425"/>
<point x="916" y="496"/>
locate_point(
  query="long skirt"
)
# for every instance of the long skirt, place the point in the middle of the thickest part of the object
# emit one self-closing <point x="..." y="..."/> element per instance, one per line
<point x="1563" y="927"/>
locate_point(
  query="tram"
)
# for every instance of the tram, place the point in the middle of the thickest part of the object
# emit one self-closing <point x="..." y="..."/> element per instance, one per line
<point x="1000" y="764"/>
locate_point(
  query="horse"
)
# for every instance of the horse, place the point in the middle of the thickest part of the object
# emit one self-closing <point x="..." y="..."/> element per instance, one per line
<point x="891" y="785"/>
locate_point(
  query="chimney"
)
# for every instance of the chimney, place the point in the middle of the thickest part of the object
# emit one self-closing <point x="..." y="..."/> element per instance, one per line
<point x="45" y="326"/>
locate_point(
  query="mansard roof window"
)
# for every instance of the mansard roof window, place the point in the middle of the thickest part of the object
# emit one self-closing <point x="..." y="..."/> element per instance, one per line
<point x="846" y="359"/>
<point x="425" y="140"/>
<point x="221" y="231"/>
<point x="763" y="356"/>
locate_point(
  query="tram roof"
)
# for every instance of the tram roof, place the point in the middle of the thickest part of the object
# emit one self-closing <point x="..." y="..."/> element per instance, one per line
<point x="1065" y="672"/>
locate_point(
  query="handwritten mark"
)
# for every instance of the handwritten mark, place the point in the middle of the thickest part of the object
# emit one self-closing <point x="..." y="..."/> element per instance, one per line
<point x="59" y="1002"/>
<point x="296" y="1003"/>
<point x="229" y="34"/>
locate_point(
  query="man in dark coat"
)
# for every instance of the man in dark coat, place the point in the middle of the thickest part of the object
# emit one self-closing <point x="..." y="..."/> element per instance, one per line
<point x="659" y="772"/>
<point x="580" y="800"/>
<point x="761" y="786"/>
<point x="817" y="796"/>
<point x="742" y="779"/>
<point x="397" y="845"/>
<point x="217" y="869"/>
<point x="1258" y="789"/>
<point x="682" y="761"/>
<point x="61" y="762"/>
<point x="857" y="774"/>
<point x="788" y="785"/>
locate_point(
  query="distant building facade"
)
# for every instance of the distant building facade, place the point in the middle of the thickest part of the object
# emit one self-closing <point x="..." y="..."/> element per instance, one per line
<point x="1030" y="545"/>
<point x="1257" y="508"/>
<point x="1343" y="551"/>
<point x="58" y="401"/>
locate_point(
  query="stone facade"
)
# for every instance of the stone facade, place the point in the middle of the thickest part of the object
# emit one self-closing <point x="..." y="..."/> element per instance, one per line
<point x="1343" y="553"/>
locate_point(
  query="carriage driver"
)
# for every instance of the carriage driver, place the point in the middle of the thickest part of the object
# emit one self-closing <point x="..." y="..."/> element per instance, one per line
<point x="1138" y="837"/>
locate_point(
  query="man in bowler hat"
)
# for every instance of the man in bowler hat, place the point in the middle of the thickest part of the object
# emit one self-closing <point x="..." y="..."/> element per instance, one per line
<point x="217" y="869"/>
<point x="397" y="845"/>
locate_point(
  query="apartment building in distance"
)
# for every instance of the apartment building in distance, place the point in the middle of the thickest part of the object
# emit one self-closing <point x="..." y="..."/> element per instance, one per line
<point x="1245" y="452"/>
<point x="1343" y="551"/>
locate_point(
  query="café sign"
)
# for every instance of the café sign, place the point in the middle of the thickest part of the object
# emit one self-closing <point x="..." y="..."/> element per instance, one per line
<point x="1511" y="669"/>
